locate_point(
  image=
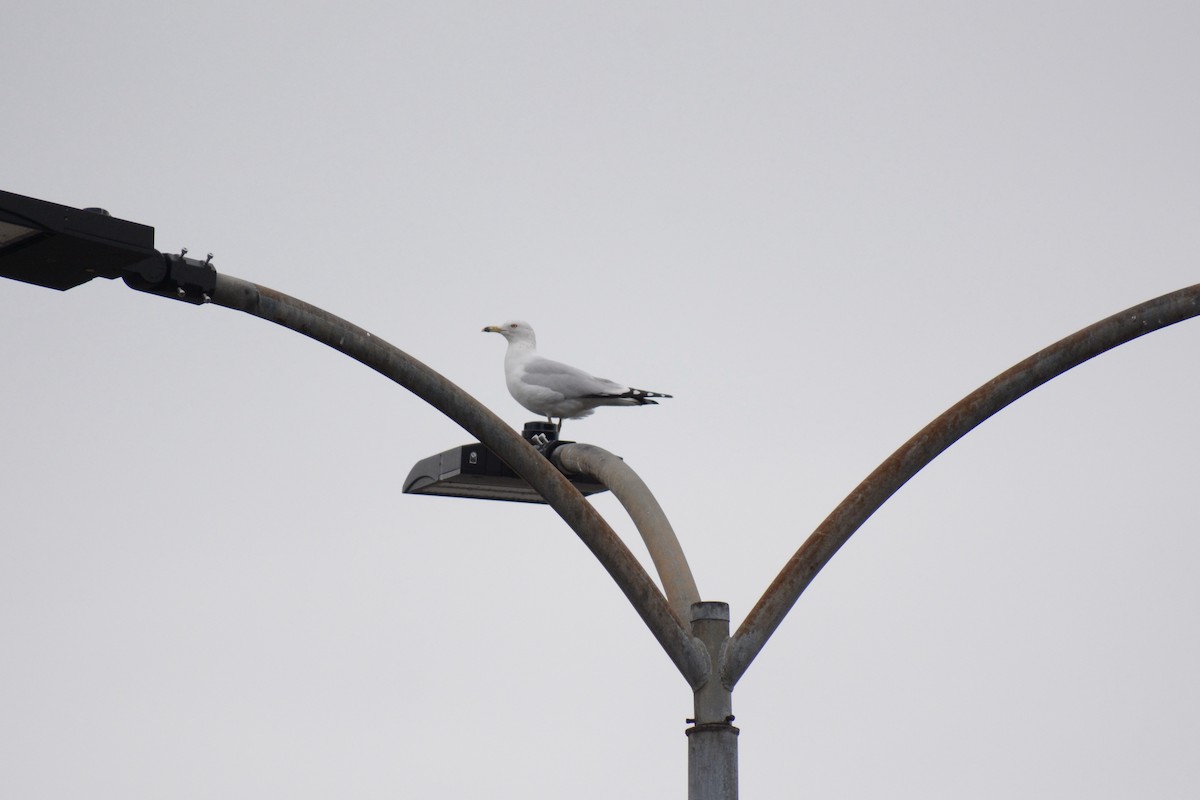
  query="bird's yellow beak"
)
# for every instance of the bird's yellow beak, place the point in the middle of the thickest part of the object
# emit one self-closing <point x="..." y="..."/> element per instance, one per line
<point x="491" y="329"/>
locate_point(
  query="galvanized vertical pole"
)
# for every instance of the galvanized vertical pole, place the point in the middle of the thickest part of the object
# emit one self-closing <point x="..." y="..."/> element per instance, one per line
<point x="712" y="739"/>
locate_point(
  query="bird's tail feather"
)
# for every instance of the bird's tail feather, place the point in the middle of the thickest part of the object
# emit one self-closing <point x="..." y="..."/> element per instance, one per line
<point x="639" y="397"/>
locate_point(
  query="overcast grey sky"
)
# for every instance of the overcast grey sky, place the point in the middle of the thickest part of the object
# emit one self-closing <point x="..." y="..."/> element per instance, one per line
<point x="816" y="224"/>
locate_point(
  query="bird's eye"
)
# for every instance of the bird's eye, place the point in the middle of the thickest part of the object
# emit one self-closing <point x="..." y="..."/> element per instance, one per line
<point x="512" y="325"/>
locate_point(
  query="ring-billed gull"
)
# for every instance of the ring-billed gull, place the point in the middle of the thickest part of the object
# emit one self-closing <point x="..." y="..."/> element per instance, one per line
<point x="553" y="389"/>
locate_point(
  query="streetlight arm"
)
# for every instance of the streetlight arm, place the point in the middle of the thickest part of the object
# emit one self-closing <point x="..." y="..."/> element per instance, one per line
<point x="930" y="442"/>
<point x="685" y="652"/>
<point x="647" y="515"/>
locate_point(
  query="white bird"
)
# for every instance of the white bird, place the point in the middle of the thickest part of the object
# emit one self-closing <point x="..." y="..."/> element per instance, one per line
<point x="553" y="389"/>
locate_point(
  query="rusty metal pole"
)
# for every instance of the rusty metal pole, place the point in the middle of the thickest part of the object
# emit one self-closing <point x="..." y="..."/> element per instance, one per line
<point x="709" y="659"/>
<point x="712" y="739"/>
<point x="930" y="442"/>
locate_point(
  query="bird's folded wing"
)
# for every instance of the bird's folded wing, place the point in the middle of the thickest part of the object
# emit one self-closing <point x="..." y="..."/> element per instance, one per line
<point x="569" y="381"/>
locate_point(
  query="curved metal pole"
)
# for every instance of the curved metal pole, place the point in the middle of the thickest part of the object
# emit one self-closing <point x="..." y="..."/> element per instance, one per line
<point x="688" y="654"/>
<point x="934" y="438"/>
<point x="647" y="515"/>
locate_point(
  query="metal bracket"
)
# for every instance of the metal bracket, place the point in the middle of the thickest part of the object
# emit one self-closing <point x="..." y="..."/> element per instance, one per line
<point x="177" y="277"/>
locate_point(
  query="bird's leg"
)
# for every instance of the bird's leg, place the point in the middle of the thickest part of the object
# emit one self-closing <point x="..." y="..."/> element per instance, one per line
<point x="558" y="427"/>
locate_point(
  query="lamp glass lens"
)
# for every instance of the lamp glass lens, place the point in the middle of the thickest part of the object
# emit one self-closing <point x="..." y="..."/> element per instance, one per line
<point x="11" y="233"/>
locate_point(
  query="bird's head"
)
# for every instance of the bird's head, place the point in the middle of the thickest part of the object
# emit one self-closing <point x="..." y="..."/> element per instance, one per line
<point x="514" y="331"/>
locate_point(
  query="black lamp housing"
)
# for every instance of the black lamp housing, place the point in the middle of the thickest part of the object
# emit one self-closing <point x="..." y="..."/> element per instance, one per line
<point x="472" y="470"/>
<point x="60" y="247"/>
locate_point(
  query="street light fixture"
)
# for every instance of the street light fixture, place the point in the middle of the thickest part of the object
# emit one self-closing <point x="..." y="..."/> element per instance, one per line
<point x="474" y="471"/>
<point x="61" y="247"/>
